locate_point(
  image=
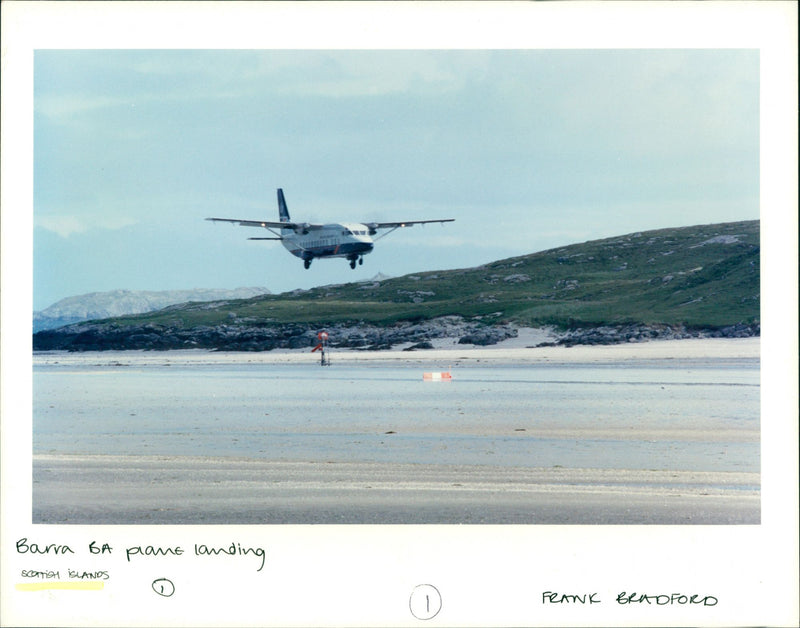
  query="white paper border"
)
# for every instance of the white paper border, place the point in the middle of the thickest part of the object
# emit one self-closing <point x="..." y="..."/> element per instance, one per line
<point x="362" y="575"/>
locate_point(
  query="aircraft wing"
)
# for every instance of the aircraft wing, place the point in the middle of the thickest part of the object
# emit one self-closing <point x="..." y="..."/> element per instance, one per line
<point x="266" y="224"/>
<point x="408" y="223"/>
<point x="257" y="223"/>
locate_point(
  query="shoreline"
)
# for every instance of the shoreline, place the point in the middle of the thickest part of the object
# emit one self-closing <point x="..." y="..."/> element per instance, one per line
<point x="508" y="352"/>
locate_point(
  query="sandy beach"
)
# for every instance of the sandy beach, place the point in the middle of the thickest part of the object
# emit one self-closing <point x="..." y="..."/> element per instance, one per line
<point x="104" y="485"/>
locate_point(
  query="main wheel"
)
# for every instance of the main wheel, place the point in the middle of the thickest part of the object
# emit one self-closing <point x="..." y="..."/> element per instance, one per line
<point x="307" y="263"/>
<point x="353" y="264"/>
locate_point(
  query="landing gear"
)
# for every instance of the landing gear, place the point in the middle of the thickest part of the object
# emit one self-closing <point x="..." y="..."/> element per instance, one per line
<point x="353" y="264"/>
<point x="306" y="264"/>
<point x="360" y="260"/>
<point x="353" y="261"/>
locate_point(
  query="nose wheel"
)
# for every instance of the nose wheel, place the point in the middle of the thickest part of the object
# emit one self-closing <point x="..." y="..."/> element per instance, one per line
<point x="353" y="261"/>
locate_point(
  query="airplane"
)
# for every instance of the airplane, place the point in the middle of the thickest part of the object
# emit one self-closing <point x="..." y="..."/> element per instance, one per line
<point x="308" y="241"/>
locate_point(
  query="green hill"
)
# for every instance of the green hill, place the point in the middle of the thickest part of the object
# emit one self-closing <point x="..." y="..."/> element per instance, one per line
<point x="701" y="277"/>
<point x="705" y="276"/>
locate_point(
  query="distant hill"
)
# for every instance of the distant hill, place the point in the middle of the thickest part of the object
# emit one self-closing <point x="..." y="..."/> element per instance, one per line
<point x="98" y="305"/>
<point x="692" y="279"/>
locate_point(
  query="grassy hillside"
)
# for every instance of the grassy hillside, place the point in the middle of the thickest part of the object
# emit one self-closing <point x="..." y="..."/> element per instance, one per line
<point x="702" y="276"/>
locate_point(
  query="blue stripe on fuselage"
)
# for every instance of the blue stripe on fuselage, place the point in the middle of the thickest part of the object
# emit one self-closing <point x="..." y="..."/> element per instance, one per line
<point x="341" y="250"/>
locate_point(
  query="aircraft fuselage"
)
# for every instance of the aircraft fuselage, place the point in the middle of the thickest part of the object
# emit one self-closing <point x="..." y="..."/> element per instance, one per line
<point x="348" y="240"/>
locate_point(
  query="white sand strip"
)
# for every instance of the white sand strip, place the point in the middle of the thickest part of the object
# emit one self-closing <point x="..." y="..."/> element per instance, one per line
<point x="716" y="348"/>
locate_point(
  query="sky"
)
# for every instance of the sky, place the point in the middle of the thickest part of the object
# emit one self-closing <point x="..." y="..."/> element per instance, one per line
<point x="527" y="149"/>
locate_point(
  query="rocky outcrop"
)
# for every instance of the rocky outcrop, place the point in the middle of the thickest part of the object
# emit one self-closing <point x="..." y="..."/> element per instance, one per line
<point x="485" y="336"/>
<point x="609" y="335"/>
<point x="101" y="336"/>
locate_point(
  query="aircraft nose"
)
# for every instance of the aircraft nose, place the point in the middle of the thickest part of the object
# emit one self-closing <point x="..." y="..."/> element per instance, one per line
<point x="364" y="247"/>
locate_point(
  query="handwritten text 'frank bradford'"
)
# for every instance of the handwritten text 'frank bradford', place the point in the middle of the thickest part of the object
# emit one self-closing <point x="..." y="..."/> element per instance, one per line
<point x="664" y="599"/>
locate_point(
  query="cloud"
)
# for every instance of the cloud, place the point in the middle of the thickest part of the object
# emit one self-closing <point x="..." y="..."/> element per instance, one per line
<point x="67" y="225"/>
<point x="70" y="105"/>
<point x="64" y="226"/>
<point x="76" y="82"/>
<point x="351" y="74"/>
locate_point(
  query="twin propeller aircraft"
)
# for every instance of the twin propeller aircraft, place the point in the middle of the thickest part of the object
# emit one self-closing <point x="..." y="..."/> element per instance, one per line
<point x="309" y="241"/>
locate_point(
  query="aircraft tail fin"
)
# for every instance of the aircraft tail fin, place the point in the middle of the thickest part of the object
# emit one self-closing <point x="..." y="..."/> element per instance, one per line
<point x="282" y="210"/>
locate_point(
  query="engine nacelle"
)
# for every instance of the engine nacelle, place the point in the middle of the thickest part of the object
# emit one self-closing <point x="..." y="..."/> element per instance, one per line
<point x="373" y="228"/>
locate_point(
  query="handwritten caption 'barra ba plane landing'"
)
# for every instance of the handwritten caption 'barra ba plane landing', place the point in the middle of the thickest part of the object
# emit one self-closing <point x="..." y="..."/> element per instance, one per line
<point x="139" y="551"/>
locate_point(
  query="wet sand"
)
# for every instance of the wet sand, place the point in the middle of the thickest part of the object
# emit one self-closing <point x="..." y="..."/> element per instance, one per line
<point x="186" y="490"/>
<point x="173" y="489"/>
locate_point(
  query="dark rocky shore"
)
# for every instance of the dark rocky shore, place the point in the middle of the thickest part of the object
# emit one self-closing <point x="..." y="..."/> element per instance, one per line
<point x="103" y="336"/>
<point x="611" y="335"/>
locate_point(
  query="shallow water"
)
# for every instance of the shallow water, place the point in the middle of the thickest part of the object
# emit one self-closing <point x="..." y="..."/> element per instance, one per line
<point x="688" y="414"/>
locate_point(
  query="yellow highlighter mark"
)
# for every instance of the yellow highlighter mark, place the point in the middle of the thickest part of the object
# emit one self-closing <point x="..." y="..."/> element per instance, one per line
<point x="81" y="585"/>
